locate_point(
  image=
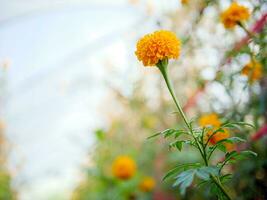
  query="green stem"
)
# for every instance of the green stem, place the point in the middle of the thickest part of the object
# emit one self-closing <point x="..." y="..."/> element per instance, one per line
<point x="219" y="185"/>
<point x="245" y="29"/>
<point x="162" y="65"/>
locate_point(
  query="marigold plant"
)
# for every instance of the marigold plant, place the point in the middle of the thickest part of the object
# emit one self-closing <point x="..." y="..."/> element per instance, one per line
<point x="157" y="49"/>
<point x="234" y="15"/>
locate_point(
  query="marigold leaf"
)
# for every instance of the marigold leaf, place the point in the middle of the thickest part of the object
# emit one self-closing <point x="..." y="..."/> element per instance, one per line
<point x="237" y="125"/>
<point x="178" y="144"/>
<point x="178" y="168"/>
<point x="169" y="132"/>
<point x="205" y="172"/>
<point x="226" y="177"/>
<point x="155" y="135"/>
<point x="184" y="180"/>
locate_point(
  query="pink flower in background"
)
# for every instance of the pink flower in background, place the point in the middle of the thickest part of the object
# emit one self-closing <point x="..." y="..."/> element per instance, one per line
<point x="260" y="133"/>
<point x="260" y="24"/>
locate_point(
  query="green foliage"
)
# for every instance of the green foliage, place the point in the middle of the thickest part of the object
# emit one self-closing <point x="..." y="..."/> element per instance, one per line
<point x="209" y="173"/>
<point x="168" y="133"/>
<point x="6" y="192"/>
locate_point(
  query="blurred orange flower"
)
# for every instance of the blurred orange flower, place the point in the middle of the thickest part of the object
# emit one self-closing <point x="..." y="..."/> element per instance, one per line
<point x="209" y="120"/>
<point x="218" y="137"/>
<point x="157" y="46"/>
<point x="214" y="121"/>
<point x="230" y="147"/>
<point x="253" y="70"/>
<point x="123" y="167"/>
<point x="234" y="14"/>
<point x="184" y="1"/>
<point x="147" y="184"/>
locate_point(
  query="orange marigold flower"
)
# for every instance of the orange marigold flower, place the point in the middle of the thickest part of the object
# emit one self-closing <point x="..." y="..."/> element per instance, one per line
<point x="123" y="167"/>
<point x="253" y="70"/>
<point x="210" y="120"/>
<point x="230" y="147"/>
<point x="217" y="136"/>
<point x="157" y="46"/>
<point x="147" y="184"/>
<point x="234" y="14"/>
<point x="214" y="121"/>
<point x="184" y="1"/>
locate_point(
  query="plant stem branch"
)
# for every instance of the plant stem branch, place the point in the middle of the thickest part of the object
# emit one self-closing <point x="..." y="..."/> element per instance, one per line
<point x="163" y="68"/>
<point x="245" y="29"/>
<point x="219" y="185"/>
<point x="162" y="65"/>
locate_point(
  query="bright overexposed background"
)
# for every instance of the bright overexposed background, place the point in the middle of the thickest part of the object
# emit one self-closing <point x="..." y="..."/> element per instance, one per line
<point x="60" y="59"/>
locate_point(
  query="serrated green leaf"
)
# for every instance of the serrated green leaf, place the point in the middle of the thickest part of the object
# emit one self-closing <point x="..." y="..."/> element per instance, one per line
<point x="178" y="133"/>
<point x="172" y="172"/>
<point x="231" y="154"/>
<point x="155" y="135"/>
<point x="168" y="132"/>
<point x="178" y="144"/>
<point x="202" y="183"/>
<point x="205" y="172"/>
<point x="231" y="126"/>
<point x="222" y="148"/>
<point x="248" y="152"/>
<point x="189" y="142"/>
<point x="202" y="174"/>
<point x="237" y="125"/>
<point x="235" y="139"/>
<point x="184" y="180"/>
<point x="220" y="144"/>
<point x="232" y="157"/>
<point x="244" y="124"/>
<point x="179" y="167"/>
<point x="226" y="178"/>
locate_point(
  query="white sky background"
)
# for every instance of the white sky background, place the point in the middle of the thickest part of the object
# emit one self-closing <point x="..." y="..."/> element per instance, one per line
<point x="57" y="52"/>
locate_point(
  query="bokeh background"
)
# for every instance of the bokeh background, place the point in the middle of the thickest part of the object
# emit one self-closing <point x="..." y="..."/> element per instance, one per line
<point x="73" y="93"/>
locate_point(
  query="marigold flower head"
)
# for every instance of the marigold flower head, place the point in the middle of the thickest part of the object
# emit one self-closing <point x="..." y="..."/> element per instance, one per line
<point x="209" y="120"/>
<point x="184" y="1"/>
<point x="217" y="136"/>
<point x="157" y="46"/>
<point x="253" y="70"/>
<point x="214" y="121"/>
<point x="147" y="184"/>
<point x="230" y="147"/>
<point x="234" y="14"/>
<point x="123" y="167"/>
